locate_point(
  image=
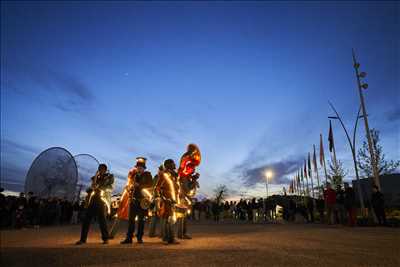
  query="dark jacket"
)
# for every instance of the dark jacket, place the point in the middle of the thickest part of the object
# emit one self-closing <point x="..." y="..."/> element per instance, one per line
<point x="340" y="196"/>
<point x="349" y="198"/>
<point x="104" y="182"/>
<point x="145" y="181"/>
<point x="377" y="200"/>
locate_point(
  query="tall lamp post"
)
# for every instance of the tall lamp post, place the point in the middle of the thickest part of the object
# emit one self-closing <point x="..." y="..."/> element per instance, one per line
<point x="268" y="175"/>
<point x="361" y="86"/>
<point x="352" y="145"/>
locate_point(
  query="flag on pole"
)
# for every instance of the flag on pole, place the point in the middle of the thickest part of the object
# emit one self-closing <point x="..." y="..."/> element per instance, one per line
<point x="309" y="166"/>
<point x="294" y="184"/>
<point x="316" y="168"/>
<point x="302" y="181"/>
<point x="321" y="151"/>
<point x="315" y="160"/>
<point x="310" y="174"/>
<point x="305" y="175"/>
<point x="305" y="169"/>
<point x="330" y="138"/>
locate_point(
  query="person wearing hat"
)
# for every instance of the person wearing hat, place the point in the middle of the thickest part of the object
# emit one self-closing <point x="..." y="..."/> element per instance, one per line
<point x="96" y="203"/>
<point x="167" y="187"/>
<point x="138" y="180"/>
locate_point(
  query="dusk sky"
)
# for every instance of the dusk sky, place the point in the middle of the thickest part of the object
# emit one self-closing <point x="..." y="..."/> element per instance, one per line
<point x="249" y="83"/>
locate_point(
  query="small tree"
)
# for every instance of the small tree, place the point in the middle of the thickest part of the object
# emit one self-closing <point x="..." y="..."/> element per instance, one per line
<point x="221" y="193"/>
<point x="364" y="159"/>
<point x="336" y="173"/>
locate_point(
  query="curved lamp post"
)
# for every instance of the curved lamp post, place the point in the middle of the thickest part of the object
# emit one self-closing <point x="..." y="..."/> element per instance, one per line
<point x="352" y="145"/>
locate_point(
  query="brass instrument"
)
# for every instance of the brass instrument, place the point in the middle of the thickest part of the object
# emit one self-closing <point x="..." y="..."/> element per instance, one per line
<point x="93" y="188"/>
<point x="123" y="209"/>
<point x="146" y="201"/>
<point x="104" y="194"/>
<point x="188" y="178"/>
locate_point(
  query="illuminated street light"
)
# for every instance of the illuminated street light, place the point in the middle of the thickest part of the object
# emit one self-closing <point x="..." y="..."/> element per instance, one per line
<point x="268" y="174"/>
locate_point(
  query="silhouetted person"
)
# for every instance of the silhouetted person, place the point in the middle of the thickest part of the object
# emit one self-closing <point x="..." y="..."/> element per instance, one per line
<point x="378" y="204"/>
<point x="321" y="209"/>
<point x="340" y="210"/>
<point x="138" y="180"/>
<point x="350" y="204"/>
<point x="310" y="209"/>
<point x="96" y="205"/>
<point x="330" y="202"/>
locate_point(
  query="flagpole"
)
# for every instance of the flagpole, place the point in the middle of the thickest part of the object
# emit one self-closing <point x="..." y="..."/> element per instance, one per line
<point x="334" y="157"/>
<point x="310" y="174"/>
<point x="316" y="170"/>
<point x="326" y="173"/>
<point x="305" y="174"/>
<point x="322" y="154"/>
<point x="302" y="181"/>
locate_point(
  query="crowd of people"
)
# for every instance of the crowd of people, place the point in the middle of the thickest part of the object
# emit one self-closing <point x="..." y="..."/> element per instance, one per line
<point x="31" y="211"/>
<point x="335" y="206"/>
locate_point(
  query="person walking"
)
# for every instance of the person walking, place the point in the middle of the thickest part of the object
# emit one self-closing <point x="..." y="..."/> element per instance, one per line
<point x="350" y="204"/>
<point x="340" y="210"/>
<point x="378" y="204"/>
<point x="330" y="202"/>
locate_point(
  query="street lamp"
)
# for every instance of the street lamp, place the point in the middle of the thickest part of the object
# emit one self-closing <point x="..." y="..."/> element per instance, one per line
<point x="268" y="174"/>
<point x="352" y="147"/>
<point x="362" y="86"/>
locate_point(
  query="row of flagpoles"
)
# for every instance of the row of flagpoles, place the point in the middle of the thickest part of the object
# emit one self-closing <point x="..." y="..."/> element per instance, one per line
<point x="303" y="179"/>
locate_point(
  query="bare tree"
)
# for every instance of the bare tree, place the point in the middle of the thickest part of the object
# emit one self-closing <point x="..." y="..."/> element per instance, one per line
<point x="221" y="192"/>
<point x="364" y="160"/>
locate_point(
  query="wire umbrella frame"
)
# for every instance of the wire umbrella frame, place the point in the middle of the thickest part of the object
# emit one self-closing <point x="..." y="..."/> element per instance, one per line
<point x="53" y="173"/>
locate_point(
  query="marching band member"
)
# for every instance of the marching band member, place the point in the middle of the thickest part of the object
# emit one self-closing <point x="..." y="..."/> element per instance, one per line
<point x="139" y="182"/>
<point x="97" y="204"/>
<point x="155" y="219"/>
<point x="188" y="185"/>
<point x="167" y="187"/>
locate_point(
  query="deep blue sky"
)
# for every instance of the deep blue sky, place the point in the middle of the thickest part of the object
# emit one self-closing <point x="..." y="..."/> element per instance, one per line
<point x="247" y="82"/>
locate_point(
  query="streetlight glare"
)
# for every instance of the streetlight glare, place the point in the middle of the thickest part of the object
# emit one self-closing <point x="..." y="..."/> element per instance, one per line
<point x="268" y="174"/>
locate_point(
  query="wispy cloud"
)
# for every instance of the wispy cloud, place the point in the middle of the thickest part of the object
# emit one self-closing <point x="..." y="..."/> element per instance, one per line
<point x="155" y="157"/>
<point x="159" y="133"/>
<point x="8" y="145"/>
<point x="65" y="91"/>
<point x="281" y="170"/>
<point x="393" y="115"/>
<point x="12" y="177"/>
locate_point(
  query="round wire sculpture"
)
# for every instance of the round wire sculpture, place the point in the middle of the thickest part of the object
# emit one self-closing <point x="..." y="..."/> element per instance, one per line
<point x="53" y="173"/>
<point x="87" y="166"/>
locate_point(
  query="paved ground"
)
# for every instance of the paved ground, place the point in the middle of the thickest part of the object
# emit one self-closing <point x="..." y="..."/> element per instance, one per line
<point x="212" y="245"/>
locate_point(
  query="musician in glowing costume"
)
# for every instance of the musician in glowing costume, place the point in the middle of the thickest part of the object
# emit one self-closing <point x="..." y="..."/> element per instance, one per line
<point x="139" y="184"/>
<point x="167" y="188"/>
<point x="154" y="208"/>
<point x="188" y="184"/>
<point x="97" y="203"/>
